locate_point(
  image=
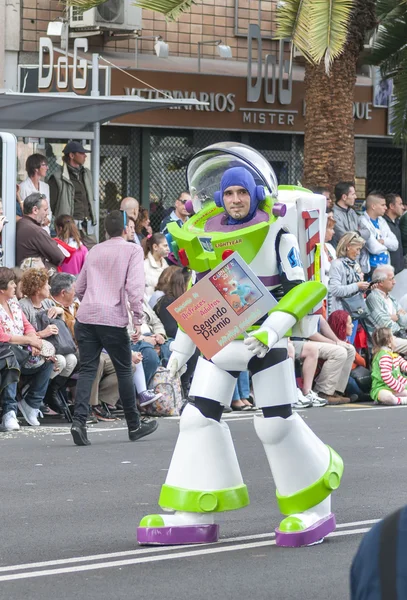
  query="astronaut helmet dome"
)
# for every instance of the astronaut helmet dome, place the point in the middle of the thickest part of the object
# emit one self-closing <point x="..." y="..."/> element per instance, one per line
<point x="206" y="167"/>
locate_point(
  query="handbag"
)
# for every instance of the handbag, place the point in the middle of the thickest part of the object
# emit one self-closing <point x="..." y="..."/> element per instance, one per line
<point x="363" y="378"/>
<point x="62" y="341"/>
<point x="355" y="305"/>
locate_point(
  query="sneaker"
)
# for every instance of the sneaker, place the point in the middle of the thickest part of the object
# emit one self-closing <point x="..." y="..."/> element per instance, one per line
<point x="302" y="401"/>
<point x="148" y="397"/>
<point x="9" y="421"/>
<point x="316" y="400"/>
<point x="146" y="427"/>
<point x="79" y="434"/>
<point x="30" y="414"/>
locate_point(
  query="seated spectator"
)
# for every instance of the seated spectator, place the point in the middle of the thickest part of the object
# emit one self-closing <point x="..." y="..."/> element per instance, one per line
<point x="345" y="275"/>
<point x="68" y="233"/>
<point x="161" y="285"/>
<point x="179" y="215"/>
<point x="174" y="288"/>
<point x="152" y="343"/>
<point x="143" y="226"/>
<point x="62" y="288"/>
<point x="389" y="384"/>
<point x="392" y="216"/>
<point x="9" y="376"/>
<point x="35" y="287"/>
<point x="31" y="240"/>
<point x="241" y="394"/>
<point x="17" y="331"/>
<point x="307" y="353"/>
<point x="329" y="253"/>
<point x="381" y="240"/>
<point x="338" y="358"/>
<point x="384" y="310"/>
<point x="156" y="251"/>
<point x="341" y="324"/>
<point x="346" y="218"/>
<point x="131" y="207"/>
<point x="131" y="230"/>
<point x="36" y="166"/>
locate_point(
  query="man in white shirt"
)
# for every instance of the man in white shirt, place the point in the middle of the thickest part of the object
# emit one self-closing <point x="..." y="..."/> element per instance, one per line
<point x="37" y="168"/>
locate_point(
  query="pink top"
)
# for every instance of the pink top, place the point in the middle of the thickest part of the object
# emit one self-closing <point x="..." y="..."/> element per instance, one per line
<point x="18" y="325"/>
<point x="113" y="272"/>
<point x="74" y="263"/>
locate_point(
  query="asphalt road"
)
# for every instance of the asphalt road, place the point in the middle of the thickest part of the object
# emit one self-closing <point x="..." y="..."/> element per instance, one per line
<point x="68" y="514"/>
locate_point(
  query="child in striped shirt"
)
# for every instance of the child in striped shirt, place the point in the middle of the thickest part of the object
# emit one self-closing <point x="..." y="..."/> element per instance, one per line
<point x="389" y="370"/>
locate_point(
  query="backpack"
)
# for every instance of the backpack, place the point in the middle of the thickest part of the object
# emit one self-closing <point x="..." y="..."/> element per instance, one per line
<point x="171" y="402"/>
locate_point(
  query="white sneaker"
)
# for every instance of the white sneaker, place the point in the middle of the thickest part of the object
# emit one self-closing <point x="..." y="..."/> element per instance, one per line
<point x="9" y="421"/>
<point x="302" y="401"/>
<point x="316" y="400"/>
<point x="30" y="414"/>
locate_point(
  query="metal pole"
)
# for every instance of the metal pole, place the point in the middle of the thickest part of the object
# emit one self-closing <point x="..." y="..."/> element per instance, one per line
<point x="136" y="53"/>
<point x="95" y="157"/>
<point x="8" y="194"/>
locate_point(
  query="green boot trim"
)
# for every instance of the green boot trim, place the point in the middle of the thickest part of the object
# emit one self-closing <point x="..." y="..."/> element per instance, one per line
<point x="152" y="521"/>
<point x="291" y="524"/>
<point x="203" y="501"/>
<point x="315" y="493"/>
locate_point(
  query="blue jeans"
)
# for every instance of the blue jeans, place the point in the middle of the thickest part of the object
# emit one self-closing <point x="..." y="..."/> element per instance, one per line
<point x="353" y="388"/>
<point x="38" y="380"/>
<point x="242" y="389"/>
<point x="152" y="360"/>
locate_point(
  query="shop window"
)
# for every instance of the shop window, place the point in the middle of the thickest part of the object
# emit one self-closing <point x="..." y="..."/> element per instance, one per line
<point x="384" y="169"/>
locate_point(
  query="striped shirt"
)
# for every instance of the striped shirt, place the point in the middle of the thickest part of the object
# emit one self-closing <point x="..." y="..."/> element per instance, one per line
<point x="113" y="273"/>
<point x="391" y="365"/>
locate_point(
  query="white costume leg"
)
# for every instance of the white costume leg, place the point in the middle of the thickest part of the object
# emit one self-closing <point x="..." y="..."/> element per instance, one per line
<point x="204" y="476"/>
<point x="305" y="471"/>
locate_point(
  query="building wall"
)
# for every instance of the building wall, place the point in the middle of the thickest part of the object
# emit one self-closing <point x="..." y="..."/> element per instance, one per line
<point x="204" y="22"/>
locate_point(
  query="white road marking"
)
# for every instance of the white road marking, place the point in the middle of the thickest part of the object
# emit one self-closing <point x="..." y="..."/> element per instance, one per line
<point x="172" y="551"/>
<point x="149" y="559"/>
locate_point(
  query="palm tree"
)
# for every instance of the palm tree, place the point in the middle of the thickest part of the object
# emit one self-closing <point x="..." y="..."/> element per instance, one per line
<point x="390" y="54"/>
<point x="331" y="35"/>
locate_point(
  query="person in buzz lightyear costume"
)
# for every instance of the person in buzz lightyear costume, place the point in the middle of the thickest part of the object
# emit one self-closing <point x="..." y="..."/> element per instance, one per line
<point x="204" y="477"/>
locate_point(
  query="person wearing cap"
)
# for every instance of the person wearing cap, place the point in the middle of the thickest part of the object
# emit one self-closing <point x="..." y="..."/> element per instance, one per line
<point x="71" y="191"/>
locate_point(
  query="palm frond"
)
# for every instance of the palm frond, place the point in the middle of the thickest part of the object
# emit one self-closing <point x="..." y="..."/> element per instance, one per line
<point x="390" y="43"/>
<point x="318" y="28"/>
<point x="398" y="110"/>
<point x="387" y="8"/>
<point x="329" y="21"/>
<point x="293" y="22"/>
<point x="170" y="8"/>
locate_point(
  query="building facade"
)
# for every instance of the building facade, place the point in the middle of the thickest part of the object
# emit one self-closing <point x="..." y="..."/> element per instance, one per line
<point x="145" y="155"/>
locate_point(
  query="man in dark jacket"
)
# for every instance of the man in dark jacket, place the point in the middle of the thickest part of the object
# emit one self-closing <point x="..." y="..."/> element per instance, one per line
<point x="31" y="240"/>
<point x="392" y="215"/>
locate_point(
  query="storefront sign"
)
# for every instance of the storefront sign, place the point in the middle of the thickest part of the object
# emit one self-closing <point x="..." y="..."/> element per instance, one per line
<point x="228" y="107"/>
<point x="46" y="69"/>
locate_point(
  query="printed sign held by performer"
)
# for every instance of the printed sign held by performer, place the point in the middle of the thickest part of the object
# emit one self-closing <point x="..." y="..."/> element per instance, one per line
<point x="221" y="306"/>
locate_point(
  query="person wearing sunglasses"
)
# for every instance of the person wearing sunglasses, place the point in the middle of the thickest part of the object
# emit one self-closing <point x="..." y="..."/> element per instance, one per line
<point x="179" y="214"/>
<point x="37" y="168"/>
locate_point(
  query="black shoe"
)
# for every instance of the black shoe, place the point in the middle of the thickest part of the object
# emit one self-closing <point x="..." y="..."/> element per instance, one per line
<point x="146" y="427"/>
<point x="79" y="434"/>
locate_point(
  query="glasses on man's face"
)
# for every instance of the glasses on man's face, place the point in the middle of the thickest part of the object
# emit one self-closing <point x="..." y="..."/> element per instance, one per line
<point x="182" y="201"/>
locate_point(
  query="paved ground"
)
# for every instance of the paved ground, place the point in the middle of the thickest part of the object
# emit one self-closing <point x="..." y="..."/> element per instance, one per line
<point x="68" y="514"/>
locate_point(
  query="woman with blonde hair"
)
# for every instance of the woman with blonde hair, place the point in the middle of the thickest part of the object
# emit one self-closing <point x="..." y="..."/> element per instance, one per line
<point x="68" y="234"/>
<point x="345" y="275"/>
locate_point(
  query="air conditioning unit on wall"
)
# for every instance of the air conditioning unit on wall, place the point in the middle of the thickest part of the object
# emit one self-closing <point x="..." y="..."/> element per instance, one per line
<point x="117" y="15"/>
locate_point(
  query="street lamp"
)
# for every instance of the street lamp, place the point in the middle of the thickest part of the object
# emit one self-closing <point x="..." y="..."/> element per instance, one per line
<point x="223" y="50"/>
<point x="160" y="47"/>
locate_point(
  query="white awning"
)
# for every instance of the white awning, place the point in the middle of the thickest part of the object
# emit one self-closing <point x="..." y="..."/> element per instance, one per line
<point x="71" y="112"/>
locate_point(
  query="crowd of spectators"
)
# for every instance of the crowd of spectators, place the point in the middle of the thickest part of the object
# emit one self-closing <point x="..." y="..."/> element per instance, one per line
<point x="350" y="357"/>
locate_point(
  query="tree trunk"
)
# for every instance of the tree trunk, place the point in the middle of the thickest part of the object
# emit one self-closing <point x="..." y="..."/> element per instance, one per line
<point x="329" y="151"/>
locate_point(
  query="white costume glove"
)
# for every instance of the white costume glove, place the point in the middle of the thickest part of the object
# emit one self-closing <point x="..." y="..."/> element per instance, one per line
<point x="177" y="363"/>
<point x="261" y="341"/>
